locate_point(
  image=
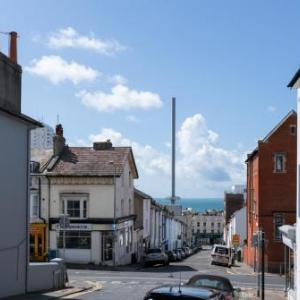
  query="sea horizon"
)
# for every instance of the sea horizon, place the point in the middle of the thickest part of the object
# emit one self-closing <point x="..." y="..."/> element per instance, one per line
<point x="197" y="204"/>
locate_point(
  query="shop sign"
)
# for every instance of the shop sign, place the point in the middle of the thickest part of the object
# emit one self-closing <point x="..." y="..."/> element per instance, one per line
<point x="235" y="240"/>
<point x="75" y="226"/>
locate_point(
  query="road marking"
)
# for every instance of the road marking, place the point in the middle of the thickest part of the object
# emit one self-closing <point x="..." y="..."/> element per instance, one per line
<point x="96" y="286"/>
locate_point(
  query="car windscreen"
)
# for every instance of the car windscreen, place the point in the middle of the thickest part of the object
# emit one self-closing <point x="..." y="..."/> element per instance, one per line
<point x="222" y="250"/>
<point x="213" y="283"/>
<point x="154" y="251"/>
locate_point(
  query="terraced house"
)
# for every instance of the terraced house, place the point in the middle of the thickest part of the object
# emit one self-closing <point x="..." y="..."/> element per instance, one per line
<point x="94" y="186"/>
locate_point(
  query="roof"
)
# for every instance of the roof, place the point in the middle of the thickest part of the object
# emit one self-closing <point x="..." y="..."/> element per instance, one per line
<point x="254" y="152"/>
<point x="86" y="161"/>
<point x="294" y="80"/>
<point x="22" y="117"/>
<point x="142" y="194"/>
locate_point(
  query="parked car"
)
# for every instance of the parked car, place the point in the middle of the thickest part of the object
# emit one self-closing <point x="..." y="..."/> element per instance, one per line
<point x="178" y="254"/>
<point x="170" y="292"/>
<point x="186" y="251"/>
<point x="219" y="283"/>
<point x="183" y="255"/>
<point x="155" y="256"/>
<point x="222" y="254"/>
<point x="171" y="255"/>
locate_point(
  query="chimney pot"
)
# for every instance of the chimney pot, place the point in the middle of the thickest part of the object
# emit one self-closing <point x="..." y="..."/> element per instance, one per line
<point x="13" y="46"/>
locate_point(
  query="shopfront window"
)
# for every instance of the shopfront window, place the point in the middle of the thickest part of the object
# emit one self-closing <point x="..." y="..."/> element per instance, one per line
<point x="75" y="240"/>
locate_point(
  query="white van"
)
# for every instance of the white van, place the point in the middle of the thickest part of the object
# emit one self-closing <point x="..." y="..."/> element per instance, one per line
<point x="222" y="255"/>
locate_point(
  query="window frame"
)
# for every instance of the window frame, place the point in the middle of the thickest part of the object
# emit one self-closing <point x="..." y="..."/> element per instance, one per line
<point x="277" y="236"/>
<point x="83" y="205"/>
<point x="275" y="156"/>
<point x="75" y="234"/>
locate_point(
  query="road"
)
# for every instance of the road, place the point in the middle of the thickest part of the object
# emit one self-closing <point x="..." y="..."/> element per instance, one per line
<point x="133" y="284"/>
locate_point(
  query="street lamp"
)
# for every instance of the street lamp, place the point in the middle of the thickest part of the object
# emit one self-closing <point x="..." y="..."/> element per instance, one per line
<point x="114" y="224"/>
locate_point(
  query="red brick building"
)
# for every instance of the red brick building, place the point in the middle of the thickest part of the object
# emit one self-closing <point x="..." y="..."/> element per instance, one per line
<point x="271" y="190"/>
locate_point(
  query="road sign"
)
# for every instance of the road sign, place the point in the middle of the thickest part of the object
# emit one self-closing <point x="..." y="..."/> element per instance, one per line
<point x="235" y="240"/>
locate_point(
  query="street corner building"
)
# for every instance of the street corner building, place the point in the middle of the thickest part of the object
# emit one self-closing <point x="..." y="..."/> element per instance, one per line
<point x="271" y="192"/>
<point x="14" y="173"/>
<point x="94" y="187"/>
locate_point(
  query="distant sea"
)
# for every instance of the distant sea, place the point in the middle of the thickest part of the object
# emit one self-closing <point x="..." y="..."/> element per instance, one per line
<point x="197" y="204"/>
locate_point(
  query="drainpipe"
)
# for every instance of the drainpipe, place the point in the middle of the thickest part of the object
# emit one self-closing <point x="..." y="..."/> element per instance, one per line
<point x="49" y="206"/>
<point x="27" y="215"/>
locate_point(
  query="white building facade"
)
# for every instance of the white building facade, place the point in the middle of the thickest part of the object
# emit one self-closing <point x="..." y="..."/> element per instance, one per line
<point x="14" y="184"/>
<point x="42" y="138"/>
<point x="295" y="84"/>
<point x="208" y="226"/>
<point x="94" y="186"/>
<point x="237" y="226"/>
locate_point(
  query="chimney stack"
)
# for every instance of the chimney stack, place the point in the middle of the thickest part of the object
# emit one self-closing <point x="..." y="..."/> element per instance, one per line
<point x="13" y="46"/>
<point x="59" y="141"/>
<point x="107" y="145"/>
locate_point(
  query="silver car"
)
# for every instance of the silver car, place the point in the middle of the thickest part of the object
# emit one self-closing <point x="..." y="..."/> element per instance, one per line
<point x="155" y="256"/>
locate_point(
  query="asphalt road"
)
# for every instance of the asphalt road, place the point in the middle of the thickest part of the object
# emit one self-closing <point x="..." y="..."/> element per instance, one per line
<point x="132" y="284"/>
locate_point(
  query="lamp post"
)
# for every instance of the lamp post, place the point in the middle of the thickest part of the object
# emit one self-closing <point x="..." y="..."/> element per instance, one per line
<point x="114" y="220"/>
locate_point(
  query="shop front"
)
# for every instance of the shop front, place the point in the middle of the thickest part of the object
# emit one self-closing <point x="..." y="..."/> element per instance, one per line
<point x="38" y="247"/>
<point x="288" y="233"/>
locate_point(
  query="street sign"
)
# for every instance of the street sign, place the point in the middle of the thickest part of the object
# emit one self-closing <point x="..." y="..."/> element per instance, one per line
<point x="235" y="240"/>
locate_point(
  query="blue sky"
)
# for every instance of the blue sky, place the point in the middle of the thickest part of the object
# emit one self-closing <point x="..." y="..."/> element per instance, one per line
<point x="227" y="63"/>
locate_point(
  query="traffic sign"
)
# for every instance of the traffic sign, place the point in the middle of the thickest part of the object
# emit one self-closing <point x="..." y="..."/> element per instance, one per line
<point x="235" y="240"/>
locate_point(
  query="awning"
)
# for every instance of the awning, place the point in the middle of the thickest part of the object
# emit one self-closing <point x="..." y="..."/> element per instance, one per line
<point x="288" y="235"/>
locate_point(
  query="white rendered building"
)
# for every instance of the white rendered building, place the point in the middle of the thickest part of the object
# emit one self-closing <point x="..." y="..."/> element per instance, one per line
<point x="42" y="138"/>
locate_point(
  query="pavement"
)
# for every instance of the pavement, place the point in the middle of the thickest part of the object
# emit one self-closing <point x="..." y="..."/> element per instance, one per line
<point x="73" y="289"/>
<point x="88" y="282"/>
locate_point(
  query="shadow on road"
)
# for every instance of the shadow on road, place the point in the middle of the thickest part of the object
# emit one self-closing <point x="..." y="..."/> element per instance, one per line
<point x="134" y="268"/>
<point x="35" y="296"/>
<point x="168" y="269"/>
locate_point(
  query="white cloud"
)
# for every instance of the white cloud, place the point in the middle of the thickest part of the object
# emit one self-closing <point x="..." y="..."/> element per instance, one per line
<point x="201" y="157"/>
<point x="149" y="160"/>
<point x="70" y="38"/>
<point x="121" y="97"/>
<point x="271" y="108"/>
<point x="203" y="167"/>
<point x="57" y="70"/>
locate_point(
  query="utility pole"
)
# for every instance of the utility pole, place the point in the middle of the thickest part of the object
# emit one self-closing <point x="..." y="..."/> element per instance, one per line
<point x="173" y="197"/>
<point x="262" y="265"/>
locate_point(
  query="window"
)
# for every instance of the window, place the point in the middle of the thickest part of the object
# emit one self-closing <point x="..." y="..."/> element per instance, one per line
<point x="212" y="224"/>
<point x="278" y="221"/>
<point x="129" y="178"/>
<point x="219" y="225"/>
<point x="293" y="129"/>
<point x="279" y="162"/>
<point x="130" y="207"/>
<point x="198" y="224"/>
<point x="75" y="206"/>
<point x="75" y="240"/>
<point x="204" y="224"/>
<point x="212" y="231"/>
<point x="34" y="205"/>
